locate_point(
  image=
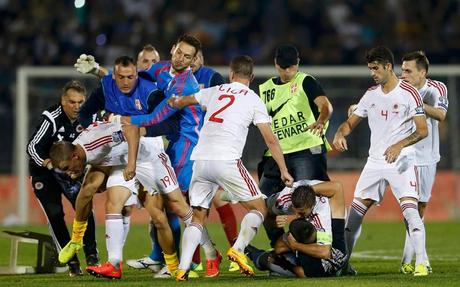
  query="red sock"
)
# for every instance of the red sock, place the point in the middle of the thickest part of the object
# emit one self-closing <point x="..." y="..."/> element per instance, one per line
<point x="197" y="256"/>
<point x="228" y="219"/>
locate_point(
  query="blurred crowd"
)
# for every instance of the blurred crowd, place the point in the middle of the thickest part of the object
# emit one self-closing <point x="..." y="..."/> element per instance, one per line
<point x="327" y="32"/>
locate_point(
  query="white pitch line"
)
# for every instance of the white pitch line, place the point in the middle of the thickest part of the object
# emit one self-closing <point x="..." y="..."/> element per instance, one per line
<point x="391" y="255"/>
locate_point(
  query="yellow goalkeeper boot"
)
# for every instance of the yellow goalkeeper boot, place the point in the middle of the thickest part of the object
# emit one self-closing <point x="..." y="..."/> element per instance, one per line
<point x="69" y="251"/>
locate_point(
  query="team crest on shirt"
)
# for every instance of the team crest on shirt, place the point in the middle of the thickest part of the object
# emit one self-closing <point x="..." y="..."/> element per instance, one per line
<point x="38" y="185"/>
<point x="395" y="108"/>
<point x="293" y="88"/>
<point x="138" y="104"/>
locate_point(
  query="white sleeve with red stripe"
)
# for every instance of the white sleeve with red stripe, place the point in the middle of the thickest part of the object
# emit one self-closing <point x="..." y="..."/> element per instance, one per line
<point x="439" y="90"/>
<point x="415" y="100"/>
<point x="98" y="139"/>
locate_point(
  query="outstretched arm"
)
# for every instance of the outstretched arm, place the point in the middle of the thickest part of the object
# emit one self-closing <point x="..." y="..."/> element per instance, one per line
<point x="162" y="112"/>
<point x="277" y="154"/>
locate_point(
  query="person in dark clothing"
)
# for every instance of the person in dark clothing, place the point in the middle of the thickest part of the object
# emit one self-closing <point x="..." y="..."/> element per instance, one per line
<point x="57" y="123"/>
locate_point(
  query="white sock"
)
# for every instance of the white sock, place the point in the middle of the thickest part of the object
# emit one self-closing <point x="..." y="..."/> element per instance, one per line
<point x="126" y="225"/>
<point x="190" y="240"/>
<point x="416" y="229"/>
<point x="208" y="246"/>
<point x="353" y="225"/>
<point x="408" y="252"/>
<point x="187" y="218"/>
<point x="249" y="226"/>
<point x="114" y="238"/>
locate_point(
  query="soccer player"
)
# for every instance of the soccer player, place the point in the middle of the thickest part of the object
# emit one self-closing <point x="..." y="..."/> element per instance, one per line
<point x="124" y="93"/>
<point x="110" y="145"/>
<point x="397" y="121"/>
<point x="206" y="77"/>
<point x="435" y="102"/>
<point x="298" y="254"/>
<point x="147" y="57"/>
<point x="230" y="109"/>
<point x="326" y="211"/>
<point x="57" y="123"/>
<point x="175" y="77"/>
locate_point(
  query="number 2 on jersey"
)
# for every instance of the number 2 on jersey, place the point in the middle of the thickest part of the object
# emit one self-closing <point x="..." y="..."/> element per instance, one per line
<point x="213" y="117"/>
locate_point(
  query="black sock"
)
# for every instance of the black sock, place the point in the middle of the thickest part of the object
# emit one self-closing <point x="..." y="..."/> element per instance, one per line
<point x="338" y="234"/>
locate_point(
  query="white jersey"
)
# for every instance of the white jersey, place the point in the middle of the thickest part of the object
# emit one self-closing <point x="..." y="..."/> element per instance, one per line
<point x="390" y="118"/>
<point x="320" y="216"/>
<point x="434" y="93"/>
<point x="230" y="109"/>
<point x="105" y="145"/>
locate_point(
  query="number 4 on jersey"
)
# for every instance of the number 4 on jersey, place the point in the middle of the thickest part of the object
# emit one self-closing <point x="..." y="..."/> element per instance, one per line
<point x="213" y="117"/>
<point x="384" y="114"/>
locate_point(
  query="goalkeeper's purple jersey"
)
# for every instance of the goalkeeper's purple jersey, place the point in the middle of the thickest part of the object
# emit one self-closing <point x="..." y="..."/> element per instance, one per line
<point x="182" y="84"/>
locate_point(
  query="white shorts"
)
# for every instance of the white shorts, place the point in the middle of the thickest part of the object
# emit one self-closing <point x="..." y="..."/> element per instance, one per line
<point x="425" y="179"/>
<point x="155" y="176"/>
<point x="231" y="175"/>
<point x="374" y="179"/>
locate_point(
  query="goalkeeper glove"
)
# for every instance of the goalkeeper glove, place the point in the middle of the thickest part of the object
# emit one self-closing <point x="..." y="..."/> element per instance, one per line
<point x="87" y="64"/>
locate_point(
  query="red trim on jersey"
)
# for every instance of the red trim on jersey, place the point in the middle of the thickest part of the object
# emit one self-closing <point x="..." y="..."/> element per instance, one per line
<point x="415" y="94"/>
<point x="246" y="177"/>
<point x="282" y="201"/>
<point x="316" y="221"/>
<point x="99" y="142"/>
<point x="164" y="161"/>
<point x="438" y="85"/>
<point x="165" y="67"/>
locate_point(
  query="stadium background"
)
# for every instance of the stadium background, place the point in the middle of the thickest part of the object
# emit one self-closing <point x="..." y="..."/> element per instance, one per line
<point x="328" y="34"/>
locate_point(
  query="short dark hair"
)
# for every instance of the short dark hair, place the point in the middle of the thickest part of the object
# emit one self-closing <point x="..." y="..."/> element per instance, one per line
<point x="420" y="59"/>
<point x="303" y="196"/>
<point x="74" y="85"/>
<point x="381" y="55"/>
<point x="302" y="231"/>
<point x="242" y="66"/>
<point x="125" y="61"/>
<point x="61" y="151"/>
<point x="191" y="40"/>
<point x="286" y="56"/>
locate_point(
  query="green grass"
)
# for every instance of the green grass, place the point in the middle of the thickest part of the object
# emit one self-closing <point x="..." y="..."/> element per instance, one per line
<point x="376" y="258"/>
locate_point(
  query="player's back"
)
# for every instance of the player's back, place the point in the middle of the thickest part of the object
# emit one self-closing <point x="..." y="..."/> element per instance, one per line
<point x="230" y="109"/>
<point x="104" y="144"/>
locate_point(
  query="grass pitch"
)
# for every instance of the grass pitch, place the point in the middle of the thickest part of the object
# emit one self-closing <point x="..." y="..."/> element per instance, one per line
<point x="376" y="257"/>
